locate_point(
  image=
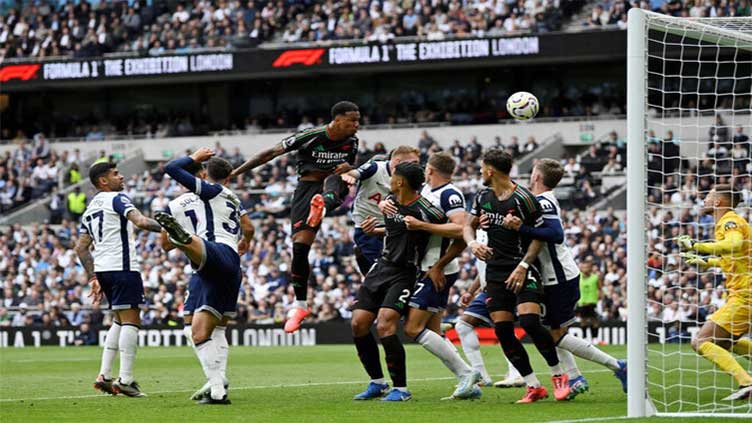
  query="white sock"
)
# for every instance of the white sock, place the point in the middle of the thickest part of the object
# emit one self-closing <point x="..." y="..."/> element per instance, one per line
<point x="435" y="344"/>
<point x="531" y="380"/>
<point x="128" y="343"/>
<point x="380" y="381"/>
<point x="220" y="338"/>
<point x="208" y="355"/>
<point x="401" y="388"/>
<point x="188" y="333"/>
<point x="556" y="370"/>
<point x="301" y="304"/>
<point x="110" y="350"/>
<point x="512" y="372"/>
<point x="588" y="351"/>
<point x="471" y="346"/>
<point x="567" y="361"/>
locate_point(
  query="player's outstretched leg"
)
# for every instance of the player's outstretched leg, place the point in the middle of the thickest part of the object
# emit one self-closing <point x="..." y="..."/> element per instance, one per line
<point x="415" y="327"/>
<point x="104" y="379"/>
<point x="516" y="353"/>
<point x="583" y="349"/>
<point x="713" y="342"/>
<point x="368" y="352"/>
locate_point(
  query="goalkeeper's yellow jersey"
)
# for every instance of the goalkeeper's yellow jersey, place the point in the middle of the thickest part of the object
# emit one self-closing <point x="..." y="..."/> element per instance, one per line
<point x="737" y="266"/>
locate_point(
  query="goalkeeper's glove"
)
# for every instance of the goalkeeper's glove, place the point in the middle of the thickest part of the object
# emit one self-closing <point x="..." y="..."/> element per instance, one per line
<point x="685" y="242"/>
<point x="694" y="259"/>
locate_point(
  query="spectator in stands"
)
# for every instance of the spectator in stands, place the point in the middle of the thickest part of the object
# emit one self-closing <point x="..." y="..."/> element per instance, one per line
<point x="76" y="204"/>
<point x="530" y="146"/>
<point x="514" y="147"/>
<point x="86" y="336"/>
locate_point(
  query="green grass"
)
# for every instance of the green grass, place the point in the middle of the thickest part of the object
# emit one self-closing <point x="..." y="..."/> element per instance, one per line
<point x="301" y="384"/>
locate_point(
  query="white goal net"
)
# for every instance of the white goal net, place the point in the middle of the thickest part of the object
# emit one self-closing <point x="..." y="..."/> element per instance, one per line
<point x="689" y="131"/>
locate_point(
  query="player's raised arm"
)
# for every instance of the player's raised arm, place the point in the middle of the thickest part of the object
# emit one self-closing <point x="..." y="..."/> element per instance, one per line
<point x="260" y="158"/>
<point x="178" y="170"/>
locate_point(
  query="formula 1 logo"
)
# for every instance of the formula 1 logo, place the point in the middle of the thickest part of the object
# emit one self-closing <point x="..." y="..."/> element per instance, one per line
<point x="22" y="72"/>
<point x="306" y="57"/>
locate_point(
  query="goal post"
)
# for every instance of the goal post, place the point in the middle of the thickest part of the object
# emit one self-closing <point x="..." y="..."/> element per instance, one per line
<point x="682" y="74"/>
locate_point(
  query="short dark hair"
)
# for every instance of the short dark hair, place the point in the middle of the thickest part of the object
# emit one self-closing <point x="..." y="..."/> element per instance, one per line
<point x="218" y="168"/>
<point x="99" y="170"/>
<point x="443" y="162"/>
<point x="551" y="170"/>
<point x="733" y="197"/>
<point x="194" y="168"/>
<point x="413" y="174"/>
<point x="499" y="159"/>
<point x="343" y="107"/>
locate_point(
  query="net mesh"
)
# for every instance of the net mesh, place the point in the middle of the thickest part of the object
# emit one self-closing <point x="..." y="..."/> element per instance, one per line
<point x="699" y="122"/>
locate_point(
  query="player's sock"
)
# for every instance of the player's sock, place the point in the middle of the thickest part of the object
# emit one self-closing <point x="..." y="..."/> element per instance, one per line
<point x="568" y="363"/>
<point x="725" y="361"/>
<point x="368" y="352"/>
<point x="395" y="360"/>
<point x="515" y="352"/>
<point x="542" y="340"/>
<point x="209" y="355"/>
<point x="594" y="332"/>
<point x="471" y="346"/>
<point x="437" y="346"/>
<point x="588" y="351"/>
<point x="512" y="372"/>
<point x="743" y="347"/>
<point x="128" y="343"/>
<point x="110" y="350"/>
<point x="188" y="333"/>
<point x="300" y="271"/>
<point x="220" y="338"/>
<point x="335" y="189"/>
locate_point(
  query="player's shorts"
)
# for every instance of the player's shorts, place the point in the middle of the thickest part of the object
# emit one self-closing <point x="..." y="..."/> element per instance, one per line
<point x="560" y="303"/>
<point x="735" y="316"/>
<point x="386" y="286"/>
<point x="425" y="296"/>
<point x="124" y="290"/>
<point x="219" y="276"/>
<point x="502" y="299"/>
<point x="477" y="309"/>
<point x="301" y="204"/>
<point x="194" y="288"/>
<point x="587" y="311"/>
<point x="367" y="249"/>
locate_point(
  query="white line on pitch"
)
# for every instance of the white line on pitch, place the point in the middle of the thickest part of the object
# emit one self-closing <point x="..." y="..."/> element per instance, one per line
<point x="590" y="419"/>
<point x="242" y="388"/>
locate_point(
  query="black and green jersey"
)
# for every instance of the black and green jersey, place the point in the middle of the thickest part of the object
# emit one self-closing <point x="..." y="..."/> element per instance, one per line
<point x="403" y="247"/>
<point x="509" y="247"/>
<point x="316" y="152"/>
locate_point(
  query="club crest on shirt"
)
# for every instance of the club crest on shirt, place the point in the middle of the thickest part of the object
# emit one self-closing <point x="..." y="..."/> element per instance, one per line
<point x="730" y="225"/>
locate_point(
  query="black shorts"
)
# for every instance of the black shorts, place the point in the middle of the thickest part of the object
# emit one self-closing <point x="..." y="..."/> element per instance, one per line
<point x="386" y="286"/>
<point x="587" y="311"/>
<point x="499" y="298"/>
<point x="301" y="204"/>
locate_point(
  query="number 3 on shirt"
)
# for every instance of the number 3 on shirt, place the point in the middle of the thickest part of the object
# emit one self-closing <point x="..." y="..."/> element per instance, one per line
<point x="234" y="218"/>
<point x="376" y="197"/>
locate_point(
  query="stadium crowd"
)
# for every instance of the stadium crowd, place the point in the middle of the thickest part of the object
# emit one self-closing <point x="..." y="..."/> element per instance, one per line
<point x="609" y="14"/>
<point x="50" y="28"/>
<point x="44" y="285"/>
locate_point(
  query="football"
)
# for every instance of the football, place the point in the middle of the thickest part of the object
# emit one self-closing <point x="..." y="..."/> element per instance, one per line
<point x="522" y="105"/>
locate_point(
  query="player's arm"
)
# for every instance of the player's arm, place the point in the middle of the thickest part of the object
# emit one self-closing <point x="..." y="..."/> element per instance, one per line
<point x="83" y="251"/>
<point x="453" y="206"/>
<point x="177" y="171"/>
<point x="550" y="231"/>
<point x="246" y="227"/>
<point x="125" y="208"/>
<point x="468" y="296"/>
<point x="260" y="158"/>
<point x="732" y="243"/>
<point x="370" y="227"/>
<point x="363" y="172"/>
<point x="436" y="272"/>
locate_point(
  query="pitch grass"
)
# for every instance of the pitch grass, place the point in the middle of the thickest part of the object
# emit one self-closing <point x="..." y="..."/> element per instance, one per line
<point x="296" y="384"/>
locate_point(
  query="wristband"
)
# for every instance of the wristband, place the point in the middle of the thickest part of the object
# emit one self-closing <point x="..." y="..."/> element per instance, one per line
<point x="524" y="265"/>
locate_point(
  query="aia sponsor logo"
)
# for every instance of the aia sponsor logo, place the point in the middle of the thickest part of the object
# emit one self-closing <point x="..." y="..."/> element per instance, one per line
<point x="22" y="72"/>
<point x="306" y="57"/>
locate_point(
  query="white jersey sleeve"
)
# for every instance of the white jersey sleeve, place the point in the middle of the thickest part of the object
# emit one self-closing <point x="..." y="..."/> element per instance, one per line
<point x="373" y="186"/>
<point x="105" y="221"/>
<point x="450" y="200"/>
<point x="557" y="260"/>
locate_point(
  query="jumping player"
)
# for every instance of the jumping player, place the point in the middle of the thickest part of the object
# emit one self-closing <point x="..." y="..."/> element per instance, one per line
<point x="372" y="179"/>
<point x="386" y="290"/>
<point x="513" y="280"/>
<point x="113" y="270"/>
<point x="561" y="278"/>
<point x="214" y="252"/>
<point x="324" y="153"/>
<point x="723" y="330"/>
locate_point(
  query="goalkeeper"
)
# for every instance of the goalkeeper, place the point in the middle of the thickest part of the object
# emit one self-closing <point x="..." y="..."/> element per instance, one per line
<point x="733" y="250"/>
